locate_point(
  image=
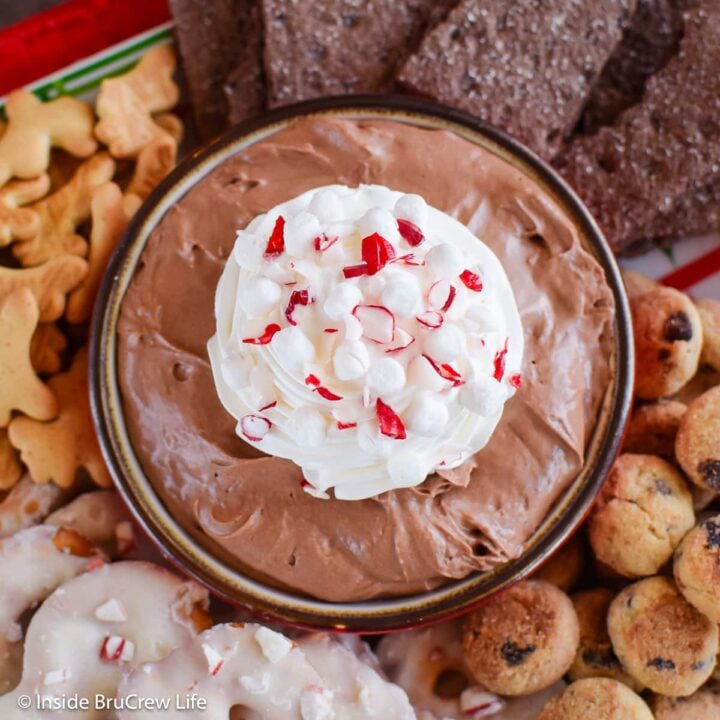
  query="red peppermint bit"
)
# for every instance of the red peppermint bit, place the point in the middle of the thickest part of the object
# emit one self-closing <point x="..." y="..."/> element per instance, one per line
<point x="269" y="406"/>
<point x="516" y="381"/>
<point x="345" y="425"/>
<point x="323" y="392"/>
<point x="430" y="319"/>
<point x="255" y="427"/>
<point x="390" y="423"/>
<point x="323" y="242"/>
<point x="352" y="271"/>
<point x="402" y="340"/>
<point x="376" y="253"/>
<point x="410" y="232"/>
<point x="304" y="483"/>
<point x="410" y="259"/>
<point x="297" y="297"/>
<point x="330" y="330"/>
<point x="441" y="295"/>
<point x="499" y="362"/>
<point x="112" y="649"/>
<point x="313" y="380"/>
<point x="378" y="323"/>
<point x="446" y="372"/>
<point x="276" y="243"/>
<point x="471" y="280"/>
<point x="266" y="337"/>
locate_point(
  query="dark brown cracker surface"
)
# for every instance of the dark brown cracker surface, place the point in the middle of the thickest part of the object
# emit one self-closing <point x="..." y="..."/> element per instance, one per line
<point x="523" y="65"/>
<point x="335" y="47"/>
<point x="215" y="38"/>
<point x="649" y="41"/>
<point x="659" y="165"/>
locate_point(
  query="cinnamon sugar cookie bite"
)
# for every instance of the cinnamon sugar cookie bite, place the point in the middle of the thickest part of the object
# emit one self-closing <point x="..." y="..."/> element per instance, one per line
<point x="565" y="567"/>
<point x="597" y="699"/>
<point x="710" y="316"/>
<point x="697" y="567"/>
<point x="595" y="656"/>
<point x="702" y="705"/>
<point x="697" y="445"/>
<point x="668" y="340"/>
<point x="523" y="641"/>
<point x="642" y="513"/>
<point x="661" y="639"/>
<point x="653" y="428"/>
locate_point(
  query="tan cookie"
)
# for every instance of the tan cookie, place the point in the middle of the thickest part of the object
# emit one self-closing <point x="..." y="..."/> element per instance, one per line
<point x="20" y="388"/>
<point x="55" y="451"/>
<point x="697" y="445"/>
<point x="154" y="162"/>
<point x="49" y="283"/>
<point x="644" y="510"/>
<point x="668" y="340"/>
<point x="10" y="469"/>
<point x="126" y="103"/>
<point x="565" y="567"/>
<point x="595" y="656"/>
<point x="17" y="222"/>
<point x="661" y="639"/>
<point x="63" y="211"/>
<point x="110" y="213"/>
<point x="523" y="641"/>
<point x="27" y="504"/>
<point x="46" y="348"/>
<point x="702" y="705"/>
<point x="34" y="127"/>
<point x="596" y="699"/>
<point x="637" y="283"/>
<point x="697" y="567"/>
<point x="653" y="428"/>
<point x="710" y="316"/>
<point x="704" y="379"/>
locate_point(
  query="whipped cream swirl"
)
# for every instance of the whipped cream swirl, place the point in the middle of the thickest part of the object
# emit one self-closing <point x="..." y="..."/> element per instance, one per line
<point x="366" y="336"/>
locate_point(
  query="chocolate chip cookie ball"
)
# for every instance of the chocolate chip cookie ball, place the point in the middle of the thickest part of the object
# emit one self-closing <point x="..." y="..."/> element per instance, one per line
<point x="595" y="656"/>
<point x="668" y="340"/>
<point x="653" y="428"/>
<point x="697" y="445"/>
<point x="661" y="639"/>
<point x="596" y="699"/>
<point x="644" y="510"/>
<point x="697" y="567"/>
<point x="523" y="641"/>
<point x="565" y="567"/>
<point x="702" y="705"/>
<point x="710" y="317"/>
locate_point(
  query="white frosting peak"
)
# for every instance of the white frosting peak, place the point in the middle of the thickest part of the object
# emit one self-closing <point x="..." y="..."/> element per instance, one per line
<point x="366" y="336"/>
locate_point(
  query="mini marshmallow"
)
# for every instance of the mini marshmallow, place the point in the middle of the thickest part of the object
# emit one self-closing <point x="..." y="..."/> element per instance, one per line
<point x="351" y="360"/>
<point x="427" y="416"/>
<point x="406" y="469"/>
<point x="236" y="372"/>
<point x="258" y="295"/>
<point x="326" y="206"/>
<point x="445" y="261"/>
<point x="274" y="646"/>
<point x="292" y="347"/>
<point x="401" y="295"/>
<point x="380" y="221"/>
<point x="413" y="208"/>
<point x="386" y="376"/>
<point x="341" y="300"/>
<point x="300" y="231"/>
<point x="446" y="343"/>
<point x="352" y="328"/>
<point x="307" y="426"/>
<point x="484" y="396"/>
<point x="249" y="250"/>
<point x="421" y="373"/>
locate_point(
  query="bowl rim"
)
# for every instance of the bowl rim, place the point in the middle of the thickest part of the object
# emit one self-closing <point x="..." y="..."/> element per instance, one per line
<point x="457" y="596"/>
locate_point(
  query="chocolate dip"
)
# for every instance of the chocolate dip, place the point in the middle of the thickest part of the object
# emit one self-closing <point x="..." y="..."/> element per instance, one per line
<point x="249" y="508"/>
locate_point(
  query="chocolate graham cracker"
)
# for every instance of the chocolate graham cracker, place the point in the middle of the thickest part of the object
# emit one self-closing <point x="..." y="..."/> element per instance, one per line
<point x="655" y="172"/>
<point x="221" y="47"/>
<point x="523" y="65"/>
<point x="343" y="46"/>
<point x="649" y="41"/>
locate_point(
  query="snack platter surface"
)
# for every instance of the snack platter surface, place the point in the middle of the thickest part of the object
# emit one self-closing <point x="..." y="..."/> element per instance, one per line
<point x="642" y="646"/>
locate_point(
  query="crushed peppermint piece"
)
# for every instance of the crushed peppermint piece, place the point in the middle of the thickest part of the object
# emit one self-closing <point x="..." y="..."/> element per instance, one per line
<point x="376" y="253"/>
<point x="390" y="423"/>
<point x="274" y="645"/>
<point x="265" y="338"/>
<point x="57" y="677"/>
<point x="471" y="280"/>
<point x="276" y="243"/>
<point x="116" y="649"/>
<point x="316" y="703"/>
<point x="112" y="611"/>
<point x="499" y="362"/>
<point x="410" y="232"/>
<point x="255" y="427"/>
<point x="214" y="659"/>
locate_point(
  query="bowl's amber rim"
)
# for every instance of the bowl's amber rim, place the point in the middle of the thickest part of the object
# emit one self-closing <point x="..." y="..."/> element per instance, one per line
<point x="383" y="615"/>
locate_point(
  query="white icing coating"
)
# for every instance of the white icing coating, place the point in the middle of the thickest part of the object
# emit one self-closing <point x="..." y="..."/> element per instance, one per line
<point x="333" y="343"/>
